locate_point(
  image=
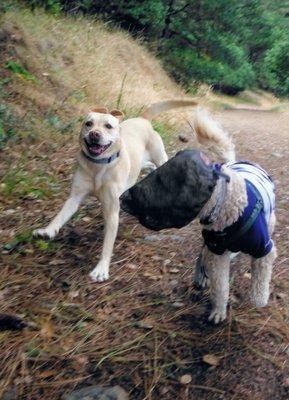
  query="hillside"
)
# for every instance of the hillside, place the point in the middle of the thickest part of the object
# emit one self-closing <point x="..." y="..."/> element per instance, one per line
<point x="56" y="68"/>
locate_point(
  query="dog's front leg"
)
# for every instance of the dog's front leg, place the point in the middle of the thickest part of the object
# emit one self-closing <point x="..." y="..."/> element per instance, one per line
<point x="80" y="188"/>
<point x="218" y="268"/>
<point x="110" y="203"/>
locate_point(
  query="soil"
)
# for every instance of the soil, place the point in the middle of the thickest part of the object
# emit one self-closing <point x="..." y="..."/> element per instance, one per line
<point x="146" y="328"/>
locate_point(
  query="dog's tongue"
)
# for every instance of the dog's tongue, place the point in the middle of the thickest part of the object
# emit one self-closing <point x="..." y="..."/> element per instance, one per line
<point x="97" y="149"/>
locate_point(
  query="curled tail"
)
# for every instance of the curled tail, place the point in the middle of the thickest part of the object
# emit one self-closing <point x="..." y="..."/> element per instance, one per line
<point x="163" y="106"/>
<point x="210" y="134"/>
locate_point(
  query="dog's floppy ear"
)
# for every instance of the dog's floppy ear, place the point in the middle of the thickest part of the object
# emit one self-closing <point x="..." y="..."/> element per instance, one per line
<point x="117" y="114"/>
<point x="100" y="110"/>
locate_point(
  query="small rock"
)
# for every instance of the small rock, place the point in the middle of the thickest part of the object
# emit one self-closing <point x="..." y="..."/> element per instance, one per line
<point x="98" y="393"/>
<point x="186" y="379"/>
<point x="159" y="237"/>
<point x="73" y="294"/>
<point x="86" y="219"/>
<point x="154" y="238"/>
<point x="174" y="270"/>
<point x="178" y="304"/>
<point x="131" y="266"/>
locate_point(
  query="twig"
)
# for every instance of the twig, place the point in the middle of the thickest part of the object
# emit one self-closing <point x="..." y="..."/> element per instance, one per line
<point x="119" y="97"/>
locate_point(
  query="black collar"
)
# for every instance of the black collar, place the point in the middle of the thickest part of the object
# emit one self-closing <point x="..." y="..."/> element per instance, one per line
<point x="104" y="160"/>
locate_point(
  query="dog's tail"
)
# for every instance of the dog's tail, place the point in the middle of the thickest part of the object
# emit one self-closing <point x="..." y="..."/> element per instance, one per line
<point x="163" y="106"/>
<point x="210" y="134"/>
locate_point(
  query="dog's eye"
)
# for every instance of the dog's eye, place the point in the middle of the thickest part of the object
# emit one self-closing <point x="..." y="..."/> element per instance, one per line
<point x="88" y="123"/>
<point x="108" y="126"/>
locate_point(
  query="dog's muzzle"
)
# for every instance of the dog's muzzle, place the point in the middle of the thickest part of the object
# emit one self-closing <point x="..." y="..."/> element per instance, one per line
<point x="93" y="146"/>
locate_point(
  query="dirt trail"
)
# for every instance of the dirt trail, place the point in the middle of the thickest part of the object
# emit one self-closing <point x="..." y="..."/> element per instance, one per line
<point x="147" y="326"/>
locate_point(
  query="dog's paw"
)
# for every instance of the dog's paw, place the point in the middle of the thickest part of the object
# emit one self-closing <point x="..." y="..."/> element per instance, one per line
<point x="217" y="315"/>
<point x="260" y="301"/>
<point x="100" y="273"/>
<point x="45" y="233"/>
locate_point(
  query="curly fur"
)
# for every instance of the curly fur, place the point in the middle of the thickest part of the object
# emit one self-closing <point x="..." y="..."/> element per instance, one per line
<point x="210" y="134"/>
<point x="213" y="269"/>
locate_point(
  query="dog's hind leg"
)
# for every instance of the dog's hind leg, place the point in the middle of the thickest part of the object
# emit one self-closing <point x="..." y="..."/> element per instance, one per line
<point x="80" y="189"/>
<point x="110" y="202"/>
<point x="201" y="279"/>
<point x="261" y="277"/>
<point x="218" y="269"/>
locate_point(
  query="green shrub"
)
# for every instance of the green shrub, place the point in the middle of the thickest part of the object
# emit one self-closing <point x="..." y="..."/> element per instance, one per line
<point x="52" y="6"/>
<point x="276" y="66"/>
<point x="234" y="71"/>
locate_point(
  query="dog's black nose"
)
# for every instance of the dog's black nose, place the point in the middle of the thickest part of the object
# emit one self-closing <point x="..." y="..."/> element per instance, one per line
<point x="94" y="136"/>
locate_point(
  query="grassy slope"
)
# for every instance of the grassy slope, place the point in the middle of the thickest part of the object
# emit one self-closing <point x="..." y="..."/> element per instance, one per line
<point x="78" y="63"/>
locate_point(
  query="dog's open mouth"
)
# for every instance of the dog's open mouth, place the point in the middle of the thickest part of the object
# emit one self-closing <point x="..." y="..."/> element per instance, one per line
<point x="96" y="149"/>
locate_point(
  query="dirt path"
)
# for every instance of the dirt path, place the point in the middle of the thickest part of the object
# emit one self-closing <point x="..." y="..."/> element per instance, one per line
<point x="147" y="326"/>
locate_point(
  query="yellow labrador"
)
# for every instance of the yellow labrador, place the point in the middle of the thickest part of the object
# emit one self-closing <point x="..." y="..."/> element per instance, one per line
<point x="112" y="154"/>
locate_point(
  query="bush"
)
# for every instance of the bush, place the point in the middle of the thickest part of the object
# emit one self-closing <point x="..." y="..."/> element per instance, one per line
<point x="276" y="68"/>
<point x="52" y="6"/>
<point x="231" y="74"/>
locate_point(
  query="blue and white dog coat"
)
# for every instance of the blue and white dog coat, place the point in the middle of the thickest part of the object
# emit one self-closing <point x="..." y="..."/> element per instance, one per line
<point x="249" y="234"/>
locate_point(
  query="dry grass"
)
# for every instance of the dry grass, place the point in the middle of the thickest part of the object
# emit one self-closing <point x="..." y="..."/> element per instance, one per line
<point x="147" y="326"/>
<point x="85" y="63"/>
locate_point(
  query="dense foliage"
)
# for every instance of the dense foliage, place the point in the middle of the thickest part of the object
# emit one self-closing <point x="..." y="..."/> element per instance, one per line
<point x="228" y="44"/>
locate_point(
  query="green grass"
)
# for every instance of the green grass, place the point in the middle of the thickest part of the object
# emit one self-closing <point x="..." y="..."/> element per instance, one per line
<point x="164" y="129"/>
<point x="22" y="72"/>
<point x="21" y="183"/>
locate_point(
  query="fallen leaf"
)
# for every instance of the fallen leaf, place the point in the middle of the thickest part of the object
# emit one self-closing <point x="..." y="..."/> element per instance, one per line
<point x="86" y="219"/>
<point x="211" y="359"/>
<point x="151" y="276"/>
<point x="47" y="374"/>
<point x="144" y="323"/>
<point x="47" y="330"/>
<point x="178" y="304"/>
<point x="186" y="379"/>
<point x="57" y="262"/>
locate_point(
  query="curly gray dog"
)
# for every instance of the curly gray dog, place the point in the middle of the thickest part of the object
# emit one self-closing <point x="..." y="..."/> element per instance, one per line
<point x="234" y="202"/>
